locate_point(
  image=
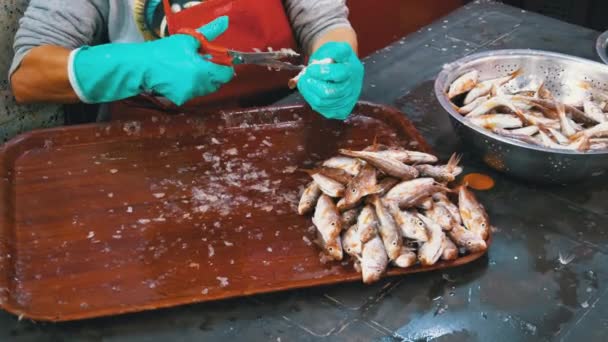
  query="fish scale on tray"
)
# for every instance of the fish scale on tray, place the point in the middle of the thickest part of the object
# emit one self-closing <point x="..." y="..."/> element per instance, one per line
<point x="520" y="107"/>
<point x="387" y="206"/>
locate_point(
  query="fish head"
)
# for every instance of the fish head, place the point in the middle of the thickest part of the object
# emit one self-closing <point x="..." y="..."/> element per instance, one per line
<point x="334" y="249"/>
<point x="475" y="245"/>
<point x="393" y="247"/>
<point x="418" y="229"/>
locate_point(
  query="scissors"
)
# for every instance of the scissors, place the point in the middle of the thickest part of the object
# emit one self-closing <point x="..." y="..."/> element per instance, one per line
<point x="224" y="56"/>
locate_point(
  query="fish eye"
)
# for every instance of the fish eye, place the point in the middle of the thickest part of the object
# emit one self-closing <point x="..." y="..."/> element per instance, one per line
<point x="420" y="223"/>
<point x="354" y="191"/>
<point x="331" y="249"/>
<point x="469" y="243"/>
<point x="483" y="225"/>
<point x="394" y="243"/>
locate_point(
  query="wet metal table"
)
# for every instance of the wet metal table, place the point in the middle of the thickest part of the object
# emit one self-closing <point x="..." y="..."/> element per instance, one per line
<point x="520" y="292"/>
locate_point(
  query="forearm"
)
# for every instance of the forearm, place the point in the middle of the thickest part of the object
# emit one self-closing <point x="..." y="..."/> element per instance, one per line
<point x="43" y="77"/>
<point x="339" y="34"/>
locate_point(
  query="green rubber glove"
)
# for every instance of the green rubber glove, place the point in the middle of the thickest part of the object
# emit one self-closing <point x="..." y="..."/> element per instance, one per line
<point x="333" y="89"/>
<point x="171" y="67"/>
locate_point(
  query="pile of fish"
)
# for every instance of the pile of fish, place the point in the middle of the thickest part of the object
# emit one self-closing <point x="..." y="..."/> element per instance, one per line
<point x="387" y="205"/>
<point x="530" y="113"/>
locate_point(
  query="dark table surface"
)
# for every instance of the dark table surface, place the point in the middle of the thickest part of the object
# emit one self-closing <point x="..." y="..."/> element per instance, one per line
<point x="520" y="292"/>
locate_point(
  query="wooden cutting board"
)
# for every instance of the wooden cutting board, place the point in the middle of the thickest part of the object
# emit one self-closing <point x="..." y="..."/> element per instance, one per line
<point x="105" y="219"/>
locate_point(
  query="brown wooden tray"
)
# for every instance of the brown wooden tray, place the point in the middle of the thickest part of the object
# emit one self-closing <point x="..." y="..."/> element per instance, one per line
<point x="112" y="218"/>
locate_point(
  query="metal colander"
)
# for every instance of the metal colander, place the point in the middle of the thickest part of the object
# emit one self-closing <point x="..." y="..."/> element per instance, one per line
<point x="601" y="46"/>
<point x="563" y="76"/>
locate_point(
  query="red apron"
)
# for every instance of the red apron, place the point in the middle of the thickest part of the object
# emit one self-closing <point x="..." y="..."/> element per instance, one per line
<point x="254" y="24"/>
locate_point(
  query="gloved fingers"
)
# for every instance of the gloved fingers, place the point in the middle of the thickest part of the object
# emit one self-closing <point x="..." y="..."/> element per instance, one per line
<point x="215" y="28"/>
<point x="222" y="74"/>
<point x="338" y="51"/>
<point x="329" y="72"/>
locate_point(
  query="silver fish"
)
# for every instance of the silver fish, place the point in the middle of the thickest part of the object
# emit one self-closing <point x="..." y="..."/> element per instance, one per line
<point x="431" y="251"/>
<point x="406" y="259"/>
<point x="388" y="229"/>
<point x="528" y="130"/>
<point x="473" y="213"/>
<point x="593" y="111"/>
<point x="509" y="134"/>
<point x="558" y="136"/>
<point x="351" y="243"/>
<point x="367" y="223"/>
<point x="409" y="193"/>
<point x="463" y="83"/>
<point x="410" y="225"/>
<point x="409" y="157"/>
<point x="541" y="121"/>
<point x="440" y="214"/>
<point x="565" y="123"/>
<point x="329" y="186"/>
<point x="374" y="260"/>
<point x="350" y="165"/>
<point x="467" y="239"/>
<point x="442" y="199"/>
<point x="309" y="198"/>
<point x="360" y="186"/>
<point x="328" y="222"/>
<point x="390" y="166"/>
<point x="466" y="109"/>
<point x="450" y="250"/>
<point x="550" y="104"/>
<point x="442" y="173"/>
<point x="490" y="121"/>
<point x="494" y="102"/>
<point x="484" y="87"/>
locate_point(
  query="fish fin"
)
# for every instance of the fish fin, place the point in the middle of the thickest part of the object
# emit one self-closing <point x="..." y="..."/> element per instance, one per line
<point x="453" y="161"/>
<point x="516" y="73"/>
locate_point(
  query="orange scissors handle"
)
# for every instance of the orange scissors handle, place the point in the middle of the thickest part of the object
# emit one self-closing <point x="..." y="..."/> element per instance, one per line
<point x="219" y="54"/>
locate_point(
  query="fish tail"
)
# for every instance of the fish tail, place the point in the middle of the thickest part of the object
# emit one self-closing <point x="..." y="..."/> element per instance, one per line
<point x="453" y="162"/>
<point x="516" y="73"/>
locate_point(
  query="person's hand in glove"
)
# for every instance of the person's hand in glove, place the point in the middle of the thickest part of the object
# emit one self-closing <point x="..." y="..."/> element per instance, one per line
<point x="333" y="89"/>
<point x="171" y="67"/>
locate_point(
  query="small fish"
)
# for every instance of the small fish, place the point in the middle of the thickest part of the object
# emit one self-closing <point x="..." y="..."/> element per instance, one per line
<point x="406" y="259"/>
<point x="541" y="121"/>
<point x="442" y="199"/>
<point x="550" y="104"/>
<point x="309" y="198"/>
<point x="388" y="229"/>
<point x="336" y="174"/>
<point x="484" y="87"/>
<point x="349" y="217"/>
<point x="350" y="165"/>
<point x="367" y="223"/>
<point x="558" y="136"/>
<point x="409" y="157"/>
<point x="351" y="243"/>
<point x="385" y="185"/>
<point x="463" y="84"/>
<point x="442" y="173"/>
<point x="473" y="213"/>
<point x="467" y="239"/>
<point x="509" y="134"/>
<point x="410" y="225"/>
<point x="543" y="93"/>
<point x="390" y="166"/>
<point x="360" y="186"/>
<point x="374" y="260"/>
<point x="328" y="186"/>
<point x="431" y="251"/>
<point x="440" y="214"/>
<point x="450" y="250"/>
<point x="328" y="222"/>
<point x="494" y="102"/>
<point x="528" y="130"/>
<point x="565" y="123"/>
<point x="593" y="111"/>
<point x="409" y="193"/>
<point x="490" y="121"/>
<point x="466" y="109"/>
<point x="595" y="131"/>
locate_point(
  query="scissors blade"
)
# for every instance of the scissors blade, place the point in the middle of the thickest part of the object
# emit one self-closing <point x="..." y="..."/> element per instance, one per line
<point x="269" y="59"/>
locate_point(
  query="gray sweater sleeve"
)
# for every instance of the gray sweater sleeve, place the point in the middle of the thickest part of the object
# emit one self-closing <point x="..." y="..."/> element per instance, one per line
<point x="311" y="18"/>
<point x="65" y="23"/>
